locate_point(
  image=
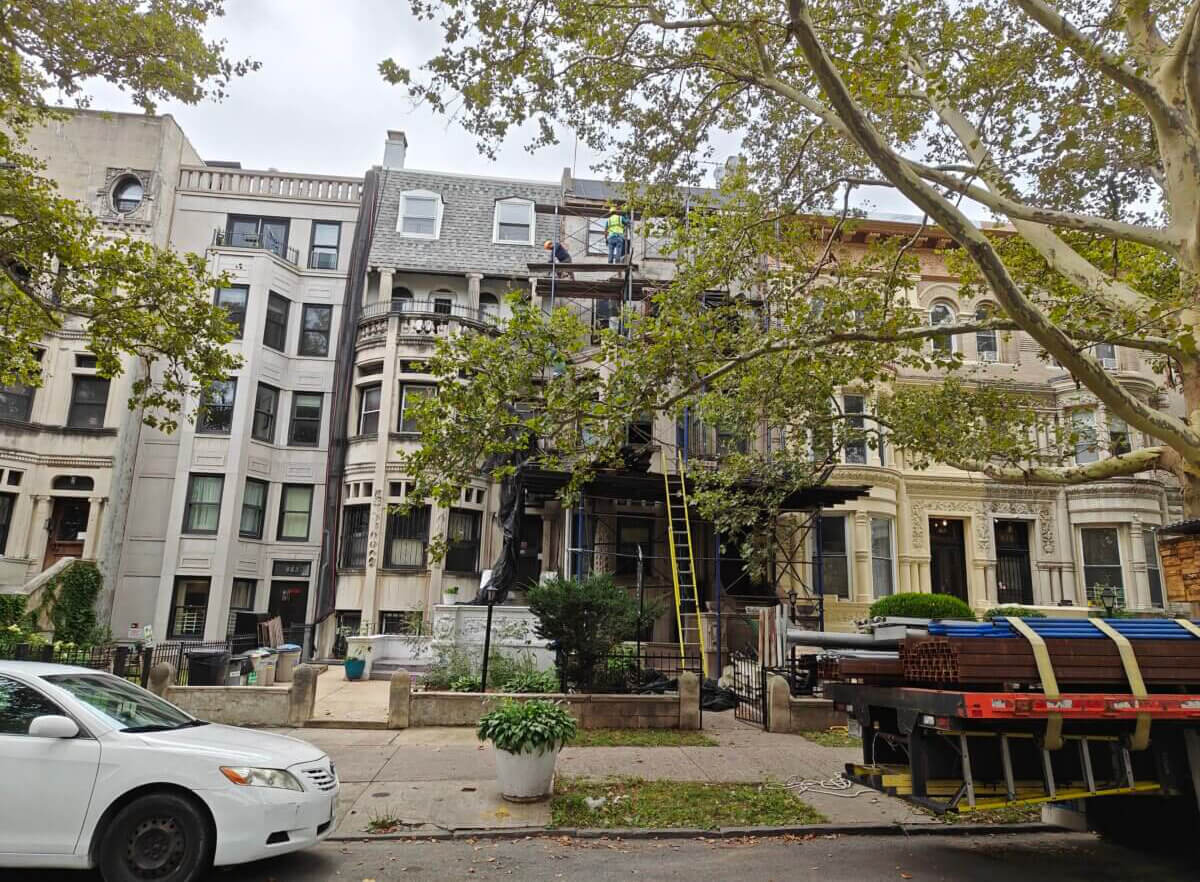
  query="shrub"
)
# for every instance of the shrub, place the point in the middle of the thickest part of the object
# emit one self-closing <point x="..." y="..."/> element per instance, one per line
<point x="531" y="681"/>
<point x="527" y="726"/>
<point x="455" y="665"/>
<point x="12" y="610"/>
<point x="466" y="683"/>
<point x="585" y="619"/>
<point x="70" y="603"/>
<point x="918" y="605"/>
<point x="1017" y="612"/>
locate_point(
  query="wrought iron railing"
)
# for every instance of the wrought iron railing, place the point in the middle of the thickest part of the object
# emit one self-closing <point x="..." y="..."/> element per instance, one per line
<point x="428" y="309"/>
<point x="223" y="240"/>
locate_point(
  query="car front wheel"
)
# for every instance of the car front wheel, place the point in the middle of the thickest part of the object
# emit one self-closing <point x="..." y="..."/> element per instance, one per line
<point x="162" y="837"/>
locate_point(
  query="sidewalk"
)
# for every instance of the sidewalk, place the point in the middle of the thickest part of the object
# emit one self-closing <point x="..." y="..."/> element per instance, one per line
<point x="436" y="779"/>
<point x="350" y="703"/>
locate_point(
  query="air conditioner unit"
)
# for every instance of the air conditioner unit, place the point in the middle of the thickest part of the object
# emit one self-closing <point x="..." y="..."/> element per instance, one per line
<point x="989" y="356"/>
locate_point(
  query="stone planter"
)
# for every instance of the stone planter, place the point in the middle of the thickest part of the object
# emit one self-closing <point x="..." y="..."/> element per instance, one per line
<point x="525" y="777"/>
<point x="449" y="599"/>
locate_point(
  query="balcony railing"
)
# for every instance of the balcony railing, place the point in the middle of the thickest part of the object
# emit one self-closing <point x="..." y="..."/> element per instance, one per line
<point x="428" y="309"/>
<point x="280" y="185"/>
<point x="283" y="252"/>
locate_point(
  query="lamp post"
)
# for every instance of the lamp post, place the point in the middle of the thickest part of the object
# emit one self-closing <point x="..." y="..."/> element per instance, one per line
<point x="1109" y="598"/>
<point x="792" y="597"/>
<point x="489" y="596"/>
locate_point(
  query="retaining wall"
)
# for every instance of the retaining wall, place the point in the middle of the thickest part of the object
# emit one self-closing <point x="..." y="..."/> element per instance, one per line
<point x="235" y="705"/>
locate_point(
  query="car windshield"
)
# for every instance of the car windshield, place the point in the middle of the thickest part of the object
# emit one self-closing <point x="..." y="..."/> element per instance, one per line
<point x="121" y="703"/>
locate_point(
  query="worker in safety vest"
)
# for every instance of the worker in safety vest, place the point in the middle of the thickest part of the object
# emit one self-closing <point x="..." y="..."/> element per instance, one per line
<point x="614" y="234"/>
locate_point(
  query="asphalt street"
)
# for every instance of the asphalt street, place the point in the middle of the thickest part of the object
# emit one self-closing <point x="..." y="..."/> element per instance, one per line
<point x="1003" y="858"/>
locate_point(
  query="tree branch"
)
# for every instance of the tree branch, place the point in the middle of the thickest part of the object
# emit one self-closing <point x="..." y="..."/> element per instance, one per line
<point x="1110" y="467"/>
<point x="1018" y="307"/>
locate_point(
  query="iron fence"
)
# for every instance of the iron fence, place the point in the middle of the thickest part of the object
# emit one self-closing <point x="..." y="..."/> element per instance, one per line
<point x="625" y="670"/>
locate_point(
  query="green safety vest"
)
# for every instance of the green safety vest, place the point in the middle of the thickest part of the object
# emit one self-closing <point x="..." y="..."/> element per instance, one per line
<point x="615" y="226"/>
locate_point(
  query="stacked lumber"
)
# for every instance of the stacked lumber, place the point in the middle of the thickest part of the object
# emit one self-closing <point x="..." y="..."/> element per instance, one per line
<point x="879" y="668"/>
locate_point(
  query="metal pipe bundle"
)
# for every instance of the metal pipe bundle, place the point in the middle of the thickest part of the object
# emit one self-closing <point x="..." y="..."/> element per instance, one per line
<point x="1134" y="629"/>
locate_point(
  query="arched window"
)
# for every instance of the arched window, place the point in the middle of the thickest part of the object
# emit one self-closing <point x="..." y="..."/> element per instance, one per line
<point x="402" y="299"/>
<point x="443" y="301"/>
<point x="985" y="341"/>
<point x="72" y="482"/>
<point x="127" y="194"/>
<point x="942" y="313"/>
<point x="489" y="306"/>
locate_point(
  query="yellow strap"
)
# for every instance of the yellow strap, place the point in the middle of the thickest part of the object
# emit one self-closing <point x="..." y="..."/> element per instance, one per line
<point x="1188" y="626"/>
<point x="1133" y="673"/>
<point x="1041" y="657"/>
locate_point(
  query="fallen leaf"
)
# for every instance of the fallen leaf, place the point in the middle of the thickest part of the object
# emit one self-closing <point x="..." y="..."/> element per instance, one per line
<point x="906" y="875"/>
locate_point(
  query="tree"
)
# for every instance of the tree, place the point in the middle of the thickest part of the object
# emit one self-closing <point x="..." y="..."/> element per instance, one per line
<point x="58" y="268"/>
<point x="1078" y="124"/>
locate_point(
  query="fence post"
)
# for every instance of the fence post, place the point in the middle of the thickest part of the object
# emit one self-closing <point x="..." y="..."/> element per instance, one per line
<point x="120" y="660"/>
<point x="161" y="677"/>
<point x="147" y="661"/>
<point x="689" y="700"/>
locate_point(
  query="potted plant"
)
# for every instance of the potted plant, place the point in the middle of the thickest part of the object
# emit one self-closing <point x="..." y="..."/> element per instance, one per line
<point x="527" y="736"/>
<point x="356" y="659"/>
<point x="450" y="595"/>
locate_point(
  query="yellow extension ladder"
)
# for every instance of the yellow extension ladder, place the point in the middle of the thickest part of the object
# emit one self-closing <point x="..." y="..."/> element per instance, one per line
<point x="683" y="560"/>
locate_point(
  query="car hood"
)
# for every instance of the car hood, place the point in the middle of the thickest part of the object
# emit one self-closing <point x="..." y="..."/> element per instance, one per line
<point x="231" y="745"/>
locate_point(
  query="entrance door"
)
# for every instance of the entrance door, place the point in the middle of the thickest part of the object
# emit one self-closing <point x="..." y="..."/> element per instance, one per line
<point x="529" y="553"/>
<point x="948" y="567"/>
<point x="1014" y="580"/>
<point x="289" y="601"/>
<point x="68" y="523"/>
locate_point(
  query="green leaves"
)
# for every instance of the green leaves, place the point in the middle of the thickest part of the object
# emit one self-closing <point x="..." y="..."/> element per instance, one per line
<point x="530" y="726"/>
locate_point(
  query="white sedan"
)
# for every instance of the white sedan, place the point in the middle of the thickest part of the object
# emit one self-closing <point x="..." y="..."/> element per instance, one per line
<point x="97" y="772"/>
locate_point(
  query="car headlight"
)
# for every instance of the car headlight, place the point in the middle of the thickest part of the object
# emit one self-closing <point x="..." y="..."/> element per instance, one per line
<point x="248" y="777"/>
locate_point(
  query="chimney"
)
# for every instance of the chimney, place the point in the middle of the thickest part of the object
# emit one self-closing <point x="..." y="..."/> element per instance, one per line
<point x="394" y="149"/>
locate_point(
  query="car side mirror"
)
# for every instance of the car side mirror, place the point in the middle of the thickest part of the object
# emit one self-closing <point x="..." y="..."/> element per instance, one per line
<point x="53" y="726"/>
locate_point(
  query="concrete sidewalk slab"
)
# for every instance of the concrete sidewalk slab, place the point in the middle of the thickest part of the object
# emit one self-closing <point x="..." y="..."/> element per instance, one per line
<point x="350" y="701"/>
<point x="425" y="763"/>
<point x="441" y="805"/>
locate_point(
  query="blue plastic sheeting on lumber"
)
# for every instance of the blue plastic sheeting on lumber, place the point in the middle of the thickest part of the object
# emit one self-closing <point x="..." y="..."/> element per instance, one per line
<point x="1139" y="629"/>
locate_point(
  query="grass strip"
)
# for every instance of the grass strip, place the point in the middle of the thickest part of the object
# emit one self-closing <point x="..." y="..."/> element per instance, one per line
<point x="835" y="737"/>
<point x="640" y="738"/>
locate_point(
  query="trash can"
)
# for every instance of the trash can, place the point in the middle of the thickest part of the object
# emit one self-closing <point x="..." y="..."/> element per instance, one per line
<point x="287" y="657"/>
<point x="239" y="666"/>
<point x="263" y="668"/>
<point x="207" y="667"/>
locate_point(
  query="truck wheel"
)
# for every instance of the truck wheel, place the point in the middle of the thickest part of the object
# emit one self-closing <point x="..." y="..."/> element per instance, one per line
<point x="1150" y="823"/>
<point x="162" y="837"/>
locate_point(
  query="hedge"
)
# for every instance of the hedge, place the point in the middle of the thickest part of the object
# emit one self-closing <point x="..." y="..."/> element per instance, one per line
<point x="918" y="605"/>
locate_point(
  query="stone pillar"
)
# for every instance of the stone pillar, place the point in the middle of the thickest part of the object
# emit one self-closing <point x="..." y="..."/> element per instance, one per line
<point x="864" y="591"/>
<point x="399" y="696"/>
<point x="924" y="582"/>
<point x="779" y="704"/>
<point x="95" y="519"/>
<point x="1137" y="594"/>
<point x="37" y="522"/>
<point x="689" y="700"/>
<point x="385" y="286"/>
<point x="302" y="695"/>
<point x="162" y="675"/>
<point x="473" y="280"/>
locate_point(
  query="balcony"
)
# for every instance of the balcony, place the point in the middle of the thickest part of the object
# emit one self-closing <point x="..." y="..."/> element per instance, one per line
<point x="221" y="239"/>
<point x="419" y="319"/>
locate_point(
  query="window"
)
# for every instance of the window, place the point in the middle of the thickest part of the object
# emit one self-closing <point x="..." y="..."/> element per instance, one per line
<point x="292" y="569"/>
<point x="835" y="572"/>
<point x="368" y="409"/>
<point x="270" y="233"/>
<point x="216" y="411"/>
<point x="203" y="506"/>
<point x="14" y="478"/>
<point x="355" y="525"/>
<point x="489" y="306"/>
<point x="409" y="396"/>
<point x="295" y="507"/>
<point x="89" y="400"/>
<point x="631" y="533"/>
<point x="407" y="538"/>
<point x="78" y="483"/>
<point x="443" y="305"/>
<point x="462" y="538"/>
<point x="189" y="607"/>
<point x="856" y="448"/>
<point x="323" y="250"/>
<point x="514" y="222"/>
<point x="83" y="360"/>
<point x="7" y="502"/>
<point x="597" y="241"/>
<point x="20" y="705"/>
<point x="1118" y="436"/>
<point x="1153" y="571"/>
<point x="1106" y="354"/>
<point x="275" y="329"/>
<point x="405" y="621"/>
<point x="234" y="300"/>
<point x="1083" y="427"/>
<point x="402" y="300"/>
<point x="315" y="322"/>
<point x="881" y="556"/>
<point x="16" y="403"/>
<point x="266" y="405"/>
<point x="128" y="194"/>
<point x="1102" y="563"/>
<point x="985" y="341"/>
<point x="254" y="509"/>
<point x="305" y="430"/>
<point x="420" y="215"/>
<point x="242" y="594"/>
<point x="641" y="430"/>
<point x="942" y="314"/>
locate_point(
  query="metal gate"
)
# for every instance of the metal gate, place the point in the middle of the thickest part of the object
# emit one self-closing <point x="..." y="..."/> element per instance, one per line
<point x="750" y="688"/>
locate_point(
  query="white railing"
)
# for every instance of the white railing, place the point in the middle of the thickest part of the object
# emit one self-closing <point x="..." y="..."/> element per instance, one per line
<point x="278" y="185"/>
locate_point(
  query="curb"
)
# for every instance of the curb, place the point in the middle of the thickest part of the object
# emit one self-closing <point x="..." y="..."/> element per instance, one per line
<point x="930" y="829"/>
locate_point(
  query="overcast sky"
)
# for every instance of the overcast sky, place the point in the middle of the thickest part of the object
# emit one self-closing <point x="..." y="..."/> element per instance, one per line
<point x="319" y="105"/>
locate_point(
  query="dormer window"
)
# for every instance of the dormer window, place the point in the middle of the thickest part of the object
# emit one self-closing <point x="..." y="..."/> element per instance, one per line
<point x="420" y="215"/>
<point x="514" y="222"/>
